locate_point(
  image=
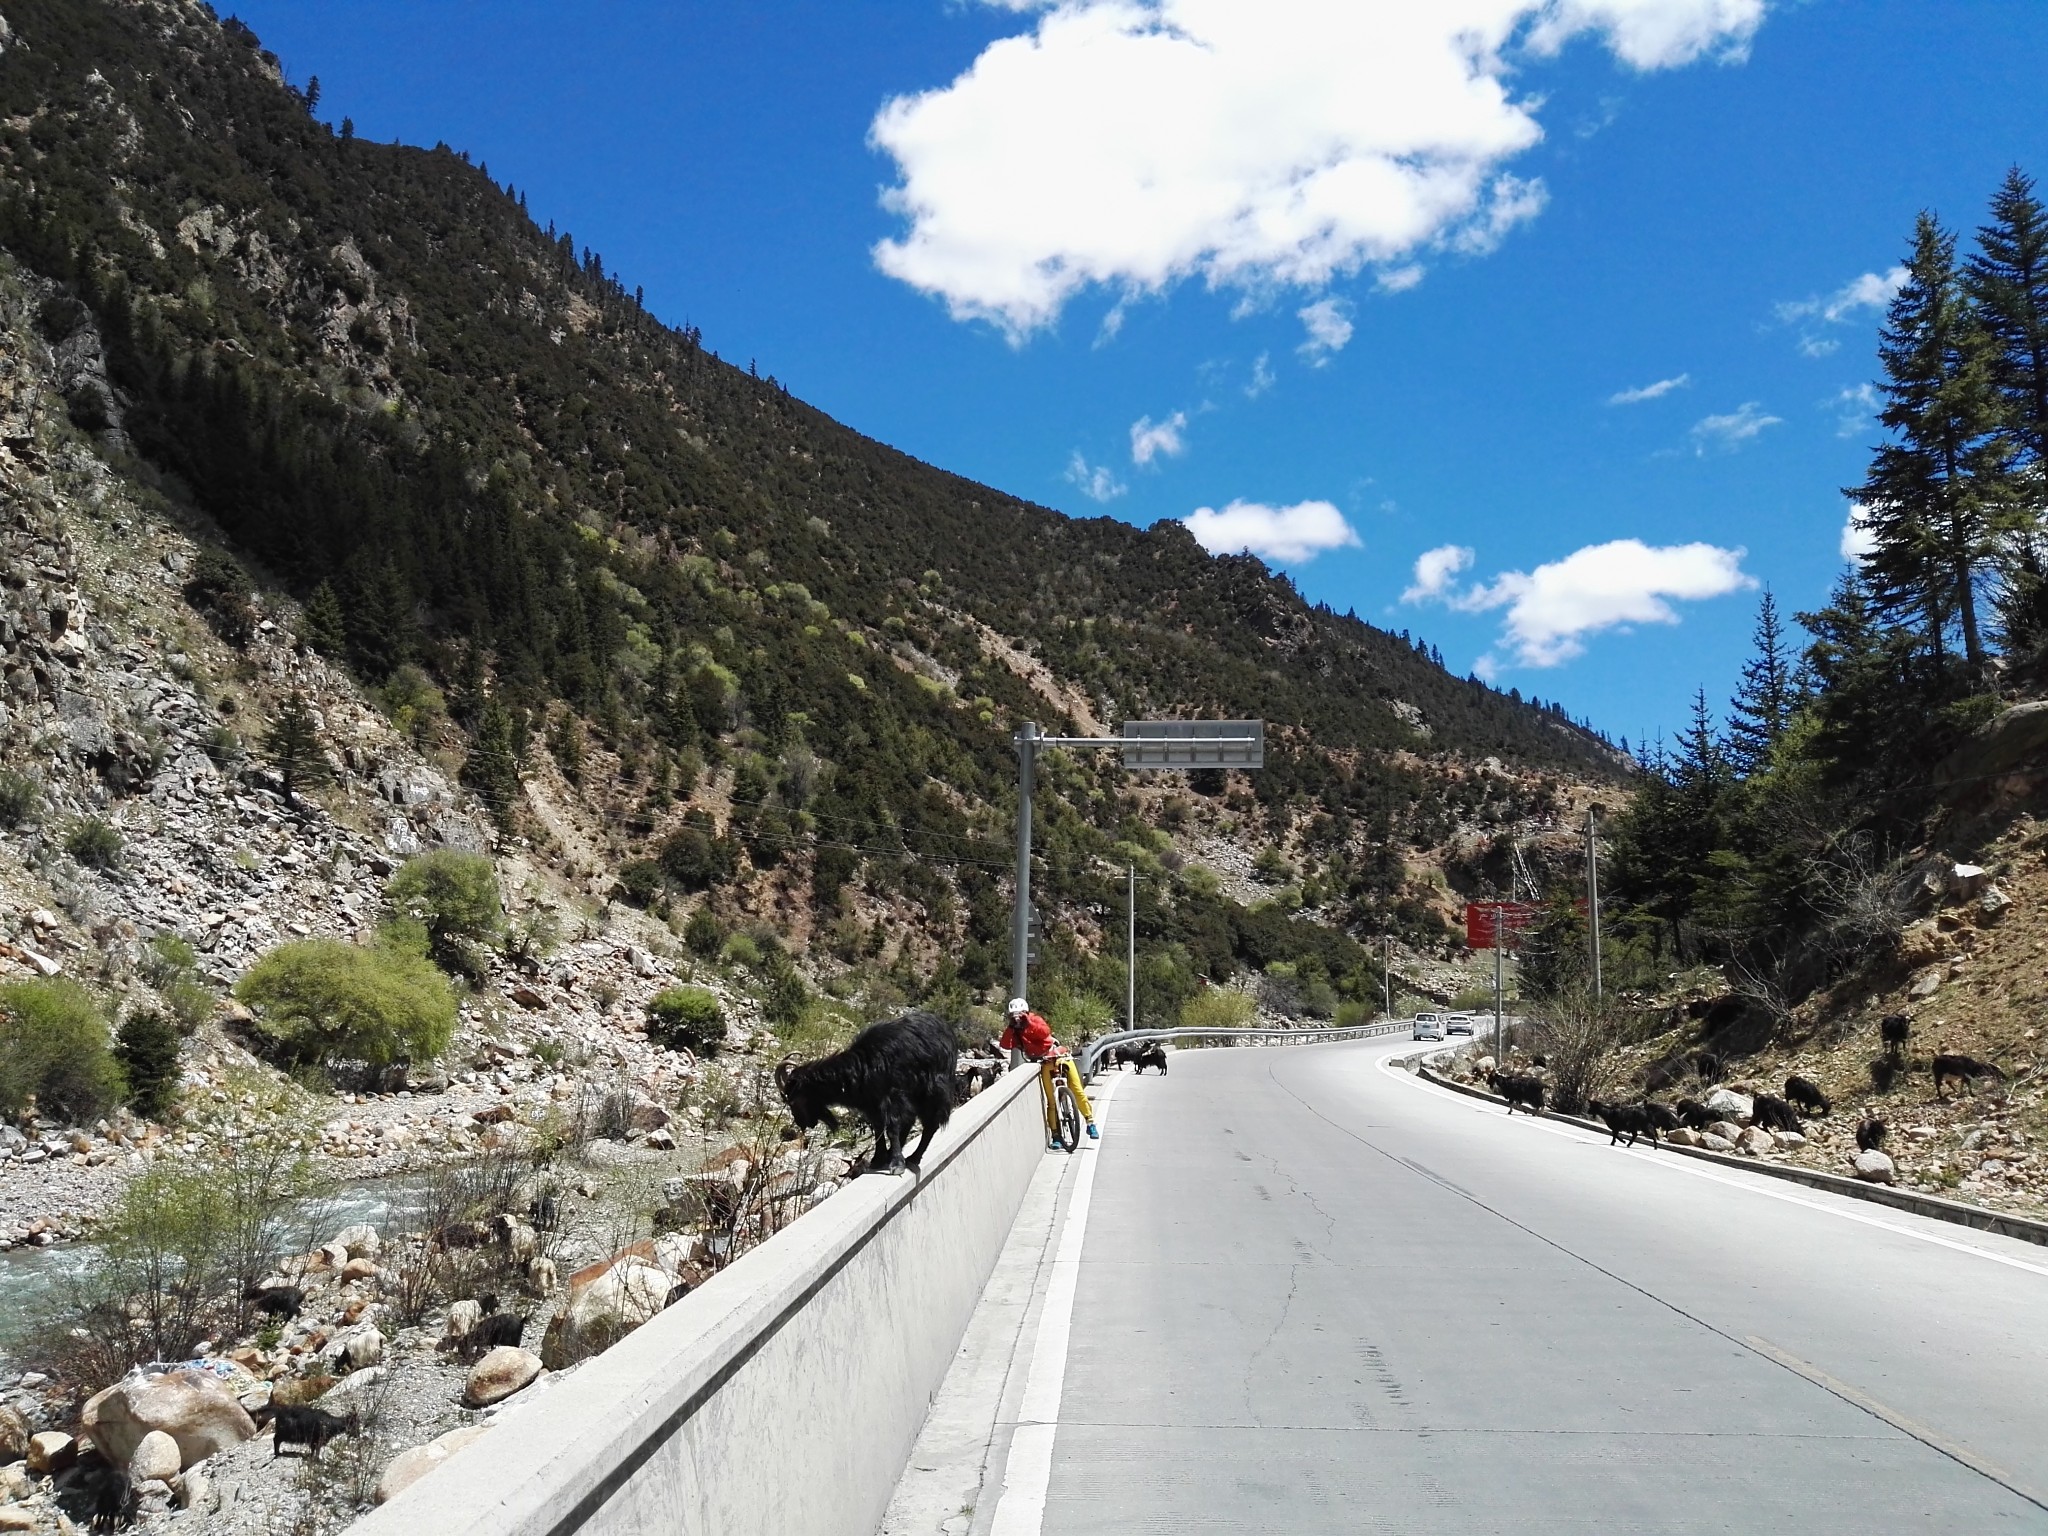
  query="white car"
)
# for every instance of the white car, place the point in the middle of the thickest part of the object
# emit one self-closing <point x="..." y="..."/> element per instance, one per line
<point x="1429" y="1026"/>
<point x="1460" y="1024"/>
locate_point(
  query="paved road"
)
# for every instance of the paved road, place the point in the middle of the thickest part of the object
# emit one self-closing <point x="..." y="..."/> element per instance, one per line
<point x="1316" y="1295"/>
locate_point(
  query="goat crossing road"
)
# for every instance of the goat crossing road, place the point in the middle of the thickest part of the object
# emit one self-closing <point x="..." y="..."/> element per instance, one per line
<point x="1314" y="1294"/>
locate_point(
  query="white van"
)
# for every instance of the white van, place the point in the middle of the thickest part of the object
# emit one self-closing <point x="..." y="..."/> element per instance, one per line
<point x="1429" y="1026"/>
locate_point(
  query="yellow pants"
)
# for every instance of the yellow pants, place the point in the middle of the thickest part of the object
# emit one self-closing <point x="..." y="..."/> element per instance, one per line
<point x="1073" y="1072"/>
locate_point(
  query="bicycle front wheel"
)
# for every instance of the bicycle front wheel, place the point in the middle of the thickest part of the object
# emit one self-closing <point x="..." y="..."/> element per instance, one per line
<point x="1068" y="1114"/>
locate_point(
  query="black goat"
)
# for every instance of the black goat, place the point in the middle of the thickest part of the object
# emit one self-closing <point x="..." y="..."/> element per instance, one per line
<point x="1708" y="1066"/>
<point x="1660" y="1118"/>
<point x="100" y="1492"/>
<point x="279" y="1301"/>
<point x="1525" y="1091"/>
<point x="1695" y="1114"/>
<point x="1621" y="1120"/>
<point x="545" y="1211"/>
<point x="1149" y="1053"/>
<point x="892" y="1073"/>
<point x="1966" y="1070"/>
<point x="1894" y="1028"/>
<point x="307" y="1426"/>
<point x="1870" y="1135"/>
<point x="1806" y="1094"/>
<point x="1774" y="1114"/>
<point x="493" y="1329"/>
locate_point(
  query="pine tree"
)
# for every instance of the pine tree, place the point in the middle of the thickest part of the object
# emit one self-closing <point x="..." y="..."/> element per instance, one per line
<point x="493" y="766"/>
<point x="1763" y="704"/>
<point x="293" y="746"/>
<point x="324" y="629"/>
<point x="2008" y="279"/>
<point x="1937" y="493"/>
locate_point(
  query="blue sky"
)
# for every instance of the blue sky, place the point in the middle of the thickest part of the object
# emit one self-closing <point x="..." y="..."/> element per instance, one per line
<point x="1073" y="261"/>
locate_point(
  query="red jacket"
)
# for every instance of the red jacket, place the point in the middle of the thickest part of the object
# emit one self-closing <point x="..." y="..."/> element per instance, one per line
<point x="1032" y="1035"/>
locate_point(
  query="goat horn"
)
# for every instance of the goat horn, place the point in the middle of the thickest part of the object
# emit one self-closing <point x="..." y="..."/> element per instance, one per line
<point x="783" y="1069"/>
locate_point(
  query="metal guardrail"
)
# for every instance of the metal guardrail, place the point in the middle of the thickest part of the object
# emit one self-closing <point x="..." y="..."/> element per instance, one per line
<point x="1093" y="1052"/>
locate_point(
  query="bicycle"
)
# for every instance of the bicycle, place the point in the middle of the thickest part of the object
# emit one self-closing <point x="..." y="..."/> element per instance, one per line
<point x="1062" y="1114"/>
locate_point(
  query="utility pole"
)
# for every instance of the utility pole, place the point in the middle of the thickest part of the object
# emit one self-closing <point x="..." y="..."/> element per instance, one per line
<point x="1020" y="921"/>
<point x="1593" y="890"/>
<point x="1131" y="955"/>
<point x="1387" y="971"/>
<point x="1499" y="939"/>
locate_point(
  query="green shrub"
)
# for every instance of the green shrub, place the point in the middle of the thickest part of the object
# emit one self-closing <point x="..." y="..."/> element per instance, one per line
<point x="687" y="1019"/>
<point x="320" y="1000"/>
<point x="1217" y="1009"/>
<point x="147" y="1048"/>
<point x="19" y="796"/>
<point x="53" y="1045"/>
<point x="640" y="882"/>
<point x="94" y="843"/>
<point x="787" y="994"/>
<point x="741" y="949"/>
<point x="704" y="934"/>
<point x="454" y="896"/>
<point x="1352" y="1014"/>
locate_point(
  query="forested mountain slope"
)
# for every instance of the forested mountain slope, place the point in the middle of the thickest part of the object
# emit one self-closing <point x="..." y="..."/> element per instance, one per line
<point x="634" y="570"/>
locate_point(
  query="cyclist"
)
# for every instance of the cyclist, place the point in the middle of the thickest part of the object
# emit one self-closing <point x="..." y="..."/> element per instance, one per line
<point x="1027" y="1032"/>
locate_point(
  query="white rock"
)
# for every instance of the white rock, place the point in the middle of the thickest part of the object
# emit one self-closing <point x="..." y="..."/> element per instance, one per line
<point x="1727" y="1104"/>
<point x="1715" y="1143"/>
<point x="409" y="1466"/>
<point x="1874" y="1168"/>
<point x="1787" y="1140"/>
<point x="1756" y="1141"/>
<point x="361" y="1240"/>
<point x="155" y="1456"/>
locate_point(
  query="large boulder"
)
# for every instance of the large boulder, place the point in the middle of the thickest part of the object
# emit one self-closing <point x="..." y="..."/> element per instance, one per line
<point x="1756" y="1141"/>
<point x="2017" y="740"/>
<point x="604" y="1310"/>
<point x="1874" y="1167"/>
<point x="501" y="1372"/>
<point x="409" y="1466"/>
<point x="1924" y="943"/>
<point x="361" y="1240"/>
<point x="1727" y="1104"/>
<point x="13" y="1436"/>
<point x="1726" y="1130"/>
<point x="192" y="1407"/>
<point x="1714" y="1143"/>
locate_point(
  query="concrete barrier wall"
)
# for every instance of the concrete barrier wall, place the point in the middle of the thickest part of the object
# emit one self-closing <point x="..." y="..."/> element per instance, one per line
<point x="781" y="1397"/>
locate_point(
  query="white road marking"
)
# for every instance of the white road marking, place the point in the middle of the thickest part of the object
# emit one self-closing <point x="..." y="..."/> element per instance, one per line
<point x="1696" y="1170"/>
<point x="1020" y="1509"/>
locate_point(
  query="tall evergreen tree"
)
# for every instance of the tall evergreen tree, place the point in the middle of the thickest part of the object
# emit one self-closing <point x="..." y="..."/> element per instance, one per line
<point x="1938" y="493"/>
<point x="293" y="746"/>
<point x="1763" y="704"/>
<point x="2008" y="280"/>
<point x="492" y="769"/>
<point x="325" y="629"/>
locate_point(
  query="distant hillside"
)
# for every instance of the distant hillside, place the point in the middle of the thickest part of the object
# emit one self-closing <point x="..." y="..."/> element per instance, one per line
<point x="467" y="447"/>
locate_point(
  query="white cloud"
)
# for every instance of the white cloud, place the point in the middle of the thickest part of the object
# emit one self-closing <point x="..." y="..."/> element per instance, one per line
<point x="1855" y="408"/>
<point x="1262" y="377"/>
<point x="1133" y="144"/>
<point x="1151" y="438"/>
<point x="1328" y="323"/>
<point x="1731" y="431"/>
<point x="1097" y="481"/>
<point x="1435" y="570"/>
<point x="1872" y="292"/>
<point x="1550" y="610"/>
<point x="1285" y="535"/>
<point x="1655" y="391"/>
<point x="1858" y="542"/>
<point x="1399" y="279"/>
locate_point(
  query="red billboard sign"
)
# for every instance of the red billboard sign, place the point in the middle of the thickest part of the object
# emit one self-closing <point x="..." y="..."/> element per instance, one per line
<point x="1487" y="922"/>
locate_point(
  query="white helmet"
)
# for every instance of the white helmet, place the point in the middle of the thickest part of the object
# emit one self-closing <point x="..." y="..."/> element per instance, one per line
<point x="1018" y="1005"/>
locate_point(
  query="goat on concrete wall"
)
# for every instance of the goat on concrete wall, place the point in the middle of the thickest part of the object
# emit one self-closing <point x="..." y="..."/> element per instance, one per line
<point x="891" y="1074"/>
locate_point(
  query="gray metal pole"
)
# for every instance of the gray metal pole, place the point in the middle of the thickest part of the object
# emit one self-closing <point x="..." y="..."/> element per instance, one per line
<point x="1593" y="890"/>
<point x="1387" y="971"/>
<point x="1020" y="925"/>
<point x="1498" y="939"/>
<point x="1131" y="954"/>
